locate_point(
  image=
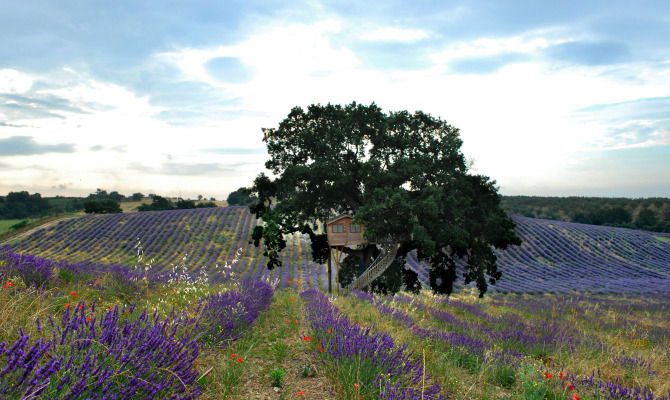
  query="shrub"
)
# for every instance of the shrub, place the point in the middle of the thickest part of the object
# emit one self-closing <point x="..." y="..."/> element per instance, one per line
<point x="277" y="376"/>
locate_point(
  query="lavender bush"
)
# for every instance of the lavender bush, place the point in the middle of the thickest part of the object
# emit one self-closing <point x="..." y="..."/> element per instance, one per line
<point x="359" y="355"/>
<point x="112" y="355"/>
<point x="225" y="315"/>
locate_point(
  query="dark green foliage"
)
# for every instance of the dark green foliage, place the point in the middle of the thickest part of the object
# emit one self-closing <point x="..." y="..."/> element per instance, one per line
<point x="60" y="204"/>
<point x="319" y="244"/>
<point x="101" y="207"/>
<point x="272" y="236"/>
<point x="650" y="214"/>
<point x="18" y="205"/>
<point x="349" y="269"/>
<point x="504" y="375"/>
<point x="185" y="204"/>
<point x="645" y="218"/>
<point x="19" y="225"/>
<point x="157" y="203"/>
<point x="103" y="195"/>
<point x="401" y="174"/>
<point x="241" y="197"/>
<point x="137" y="196"/>
<point x="390" y="281"/>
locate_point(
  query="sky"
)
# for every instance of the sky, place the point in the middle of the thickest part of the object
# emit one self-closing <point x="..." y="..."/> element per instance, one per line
<point x="566" y="98"/>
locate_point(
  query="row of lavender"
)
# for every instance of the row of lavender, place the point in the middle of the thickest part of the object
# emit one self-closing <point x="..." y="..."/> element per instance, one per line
<point x="506" y="340"/>
<point x="564" y="256"/>
<point x="367" y="364"/>
<point x="195" y="239"/>
<point x="555" y="256"/>
<point x="118" y="354"/>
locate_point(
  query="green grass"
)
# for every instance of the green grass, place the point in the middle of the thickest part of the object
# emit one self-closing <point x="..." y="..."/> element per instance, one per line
<point x="663" y="238"/>
<point x="6" y="224"/>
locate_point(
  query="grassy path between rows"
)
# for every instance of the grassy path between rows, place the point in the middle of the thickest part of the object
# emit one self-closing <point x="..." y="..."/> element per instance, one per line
<point x="275" y="342"/>
<point x="42" y="223"/>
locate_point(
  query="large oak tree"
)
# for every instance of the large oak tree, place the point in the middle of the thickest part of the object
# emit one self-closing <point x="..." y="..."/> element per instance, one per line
<point x="401" y="174"/>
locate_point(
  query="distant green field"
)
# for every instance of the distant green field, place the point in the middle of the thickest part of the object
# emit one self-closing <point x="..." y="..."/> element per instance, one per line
<point x="130" y="206"/>
<point x="663" y="238"/>
<point x="5" y="224"/>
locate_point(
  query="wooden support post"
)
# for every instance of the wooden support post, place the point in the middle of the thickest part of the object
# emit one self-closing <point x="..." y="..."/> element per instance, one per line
<point x="330" y="274"/>
<point x="338" y="257"/>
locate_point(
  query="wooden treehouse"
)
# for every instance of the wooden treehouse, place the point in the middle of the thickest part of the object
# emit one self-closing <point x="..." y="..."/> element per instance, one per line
<point x="343" y="232"/>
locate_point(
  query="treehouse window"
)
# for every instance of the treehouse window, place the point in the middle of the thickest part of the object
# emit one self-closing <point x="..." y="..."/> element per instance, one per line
<point x="338" y="228"/>
<point x="354" y="228"/>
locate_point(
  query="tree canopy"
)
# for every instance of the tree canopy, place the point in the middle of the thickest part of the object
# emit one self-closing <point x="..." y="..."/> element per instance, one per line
<point x="401" y="174"/>
<point x="105" y="206"/>
<point x="241" y="197"/>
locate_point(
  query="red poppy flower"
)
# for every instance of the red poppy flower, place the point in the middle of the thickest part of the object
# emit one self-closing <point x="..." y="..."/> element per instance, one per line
<point x="290" y="299"/>
<point x="286" y="321"/>
<point x="233" y="355"/>
<point x="356" y="385"/>
<point x="67" y="305"/>
<point x="574" y="397"/>
<point x="548" y="376"/>
<point x="571" y="387"/>
<point x="73" y="294"/>
<point x="295" y="322"/>
<point x="321" y="349"/>
<point x="8" y="284"/>
<point x="328" y="330"/>
<point x="240" y="359"/>
<point x="80" y="306"/>
<point x="560" y="376"/>
<point x="301" y="392"/>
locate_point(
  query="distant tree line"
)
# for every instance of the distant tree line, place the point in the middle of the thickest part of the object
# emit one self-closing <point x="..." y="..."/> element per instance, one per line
<point x="20" y="205"/>
<point x="651" y="214"/>
<point x="162" y="203"/>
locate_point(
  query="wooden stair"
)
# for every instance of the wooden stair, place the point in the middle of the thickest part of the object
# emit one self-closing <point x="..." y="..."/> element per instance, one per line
<point x="378" y="266"/>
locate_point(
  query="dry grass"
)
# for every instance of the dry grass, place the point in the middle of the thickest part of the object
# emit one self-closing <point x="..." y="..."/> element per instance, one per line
<point x="271" y="343"/>
<point x="465" y="383"/>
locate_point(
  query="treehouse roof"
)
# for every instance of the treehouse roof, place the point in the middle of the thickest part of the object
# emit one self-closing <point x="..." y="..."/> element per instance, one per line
<point x="339" y="217"/>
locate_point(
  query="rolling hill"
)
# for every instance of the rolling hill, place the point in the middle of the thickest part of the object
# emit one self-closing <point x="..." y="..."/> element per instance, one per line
<point x="554" y="257"/>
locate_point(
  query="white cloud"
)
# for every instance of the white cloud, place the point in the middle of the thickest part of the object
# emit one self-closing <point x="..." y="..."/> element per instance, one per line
<point x="390" y="34"/>
<point x="15" y="82"/>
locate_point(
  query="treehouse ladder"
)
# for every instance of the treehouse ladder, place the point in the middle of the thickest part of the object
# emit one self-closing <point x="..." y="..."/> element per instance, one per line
<point x="378" y="266"/>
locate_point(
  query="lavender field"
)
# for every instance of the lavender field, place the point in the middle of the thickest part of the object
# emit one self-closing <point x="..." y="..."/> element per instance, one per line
<point x="554" y="257"/>
<point x="178" y="304"/>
